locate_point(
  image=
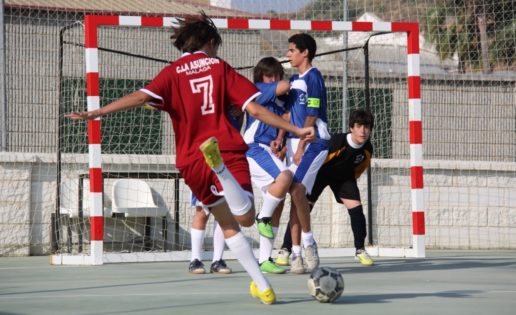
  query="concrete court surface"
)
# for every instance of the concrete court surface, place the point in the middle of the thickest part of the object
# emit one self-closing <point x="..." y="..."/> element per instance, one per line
<point x="445" y="282"/>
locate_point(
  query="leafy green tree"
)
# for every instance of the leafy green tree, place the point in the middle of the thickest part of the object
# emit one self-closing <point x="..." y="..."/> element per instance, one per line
<point x="480" y="32"/>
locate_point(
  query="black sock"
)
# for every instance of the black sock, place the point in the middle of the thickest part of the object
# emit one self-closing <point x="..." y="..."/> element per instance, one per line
<point x="287" y="239"/>
<point x="358" y="226"/>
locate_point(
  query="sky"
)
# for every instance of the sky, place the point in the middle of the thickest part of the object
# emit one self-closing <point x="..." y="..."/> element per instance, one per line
<point x="260" y="6"/>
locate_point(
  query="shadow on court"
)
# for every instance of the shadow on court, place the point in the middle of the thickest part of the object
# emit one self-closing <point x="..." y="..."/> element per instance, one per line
<point x="445" y="282"/>
<point x="429" y="264"/>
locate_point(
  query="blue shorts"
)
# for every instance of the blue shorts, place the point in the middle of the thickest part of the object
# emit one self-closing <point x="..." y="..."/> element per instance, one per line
<point x="312" y="160"/>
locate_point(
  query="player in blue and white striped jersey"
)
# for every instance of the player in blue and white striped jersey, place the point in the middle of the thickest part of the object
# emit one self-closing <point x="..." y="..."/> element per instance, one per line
<point x="307" y="107"/>
<point x="268" y="170"/>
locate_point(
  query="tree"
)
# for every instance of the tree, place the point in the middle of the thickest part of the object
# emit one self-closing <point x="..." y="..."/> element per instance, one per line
<point x="480" y="32"/>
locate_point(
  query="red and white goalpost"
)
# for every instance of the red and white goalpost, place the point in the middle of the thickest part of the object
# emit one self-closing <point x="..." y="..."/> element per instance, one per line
<point x="97" y="256"/>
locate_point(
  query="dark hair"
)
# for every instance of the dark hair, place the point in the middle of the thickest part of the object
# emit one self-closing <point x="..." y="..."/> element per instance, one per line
<point x="194" y="32"/>
<point x="303" y="41"/>
<point x="361" y="117"/>
<point x="268" y="66"/>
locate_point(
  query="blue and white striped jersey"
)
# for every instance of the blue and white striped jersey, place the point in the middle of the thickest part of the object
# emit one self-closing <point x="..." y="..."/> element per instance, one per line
<point x="307" y="97"/>
<point x="257" y="131"/>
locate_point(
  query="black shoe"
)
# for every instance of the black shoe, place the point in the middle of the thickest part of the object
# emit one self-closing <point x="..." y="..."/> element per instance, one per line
<point x="220" y="266"/>
<point x="196" y="267"/>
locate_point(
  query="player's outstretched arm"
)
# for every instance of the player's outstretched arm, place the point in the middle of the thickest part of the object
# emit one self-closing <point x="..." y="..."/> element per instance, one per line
<point x="282" y="88"/>
<point x="129" y="101"/>
<point x="264" y="115"/>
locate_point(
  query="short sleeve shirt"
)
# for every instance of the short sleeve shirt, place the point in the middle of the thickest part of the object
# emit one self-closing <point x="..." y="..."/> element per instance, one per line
<point x="196" y="91"/>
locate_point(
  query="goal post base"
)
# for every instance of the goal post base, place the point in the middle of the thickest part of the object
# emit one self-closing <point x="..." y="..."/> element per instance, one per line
<point x="139" y="257"/>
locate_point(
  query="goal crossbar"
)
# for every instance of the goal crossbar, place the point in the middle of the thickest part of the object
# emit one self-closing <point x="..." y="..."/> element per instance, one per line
<point x="93" y="22"/>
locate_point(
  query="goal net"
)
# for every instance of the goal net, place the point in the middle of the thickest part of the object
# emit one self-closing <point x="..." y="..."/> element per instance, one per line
<point x="119" y="195"/>
<point x="467" y="67"/>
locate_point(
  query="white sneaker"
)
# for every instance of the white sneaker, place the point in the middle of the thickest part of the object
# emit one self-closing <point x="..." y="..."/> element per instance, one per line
<point x="296" y="265"/>
<point x="283" y="257"/>
<point x="311" y="257"/>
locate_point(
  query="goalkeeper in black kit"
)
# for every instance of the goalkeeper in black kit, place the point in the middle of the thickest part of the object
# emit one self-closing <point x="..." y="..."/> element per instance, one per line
<point x="349" y="156"/>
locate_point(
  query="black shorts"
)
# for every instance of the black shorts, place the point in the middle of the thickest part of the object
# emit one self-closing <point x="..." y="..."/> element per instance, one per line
<point x="343" y="187"/>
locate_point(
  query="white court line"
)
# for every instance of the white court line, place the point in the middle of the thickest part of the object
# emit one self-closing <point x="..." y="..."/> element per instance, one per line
<point x="35" y="295"/>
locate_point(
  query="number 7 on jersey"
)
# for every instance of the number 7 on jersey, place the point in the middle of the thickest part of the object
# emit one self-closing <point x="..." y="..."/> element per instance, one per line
<point x="204" y="85"/>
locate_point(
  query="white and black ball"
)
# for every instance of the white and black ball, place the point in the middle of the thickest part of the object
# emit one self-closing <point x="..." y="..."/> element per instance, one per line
<point x="326" y="284"/>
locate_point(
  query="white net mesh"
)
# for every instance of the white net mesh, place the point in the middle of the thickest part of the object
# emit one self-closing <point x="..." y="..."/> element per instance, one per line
<point x="468" y="113"/>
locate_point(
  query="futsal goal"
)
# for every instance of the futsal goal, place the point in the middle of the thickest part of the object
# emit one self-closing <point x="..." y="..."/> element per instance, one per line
<point x="120" y="197"/>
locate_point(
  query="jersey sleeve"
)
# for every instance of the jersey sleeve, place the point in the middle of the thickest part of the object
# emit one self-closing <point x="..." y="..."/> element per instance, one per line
<point x="239" y="89"/>
<point x="337" y="142"/>
<point x="336" y="145"/>
<point x="268" y="91"/>
<point x="160" y="89"/>
<point x="314" y="96"/>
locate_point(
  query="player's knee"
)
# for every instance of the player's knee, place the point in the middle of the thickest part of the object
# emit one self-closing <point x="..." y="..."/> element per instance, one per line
<point x="356" y="209"/>
<point x="286" y="176"/>
<point x="297" y="190"/>
<point x="248" y="206"/>
<point x="246" y="219"/>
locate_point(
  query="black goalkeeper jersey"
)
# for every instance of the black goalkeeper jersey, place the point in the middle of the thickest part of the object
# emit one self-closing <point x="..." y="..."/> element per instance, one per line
<point x="344" y="159"/>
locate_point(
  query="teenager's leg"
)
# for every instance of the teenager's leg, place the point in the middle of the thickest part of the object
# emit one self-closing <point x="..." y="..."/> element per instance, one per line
<point x="266" y="244"/>
<point x="218" y="265"/>
<point x="287" y="239"/>
<point x="218" y="241"/>
<point x="197" y="232"/>
<point x="298" y="193"/>
<point x="238" y="244"/>
<point x="236" y="197"/>
<point x="295" y="228"/>
<point x="275" y="194"/>
<point x="358" y="221"/>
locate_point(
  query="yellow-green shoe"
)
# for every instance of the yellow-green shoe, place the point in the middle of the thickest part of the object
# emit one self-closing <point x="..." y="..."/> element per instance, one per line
<point x="211" y="152"/>
<point x="283" y="257"/>
<point x="363" y="257"/>
<point x="267" y="297"/>
<point x="264" y="226"/>
<point x="269" y="266"/>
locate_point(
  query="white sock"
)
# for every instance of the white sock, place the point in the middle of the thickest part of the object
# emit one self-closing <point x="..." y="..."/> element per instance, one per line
<point x="307" y="238"/>
<point x="218" y="241"/>
<point x="296" y="250"/>
<point x="197" y="239"/>
<point x="269" y="205"/>
<point x="243" y="252"/>
<point x="266" y="246"/>
<point x="236" y="197"/>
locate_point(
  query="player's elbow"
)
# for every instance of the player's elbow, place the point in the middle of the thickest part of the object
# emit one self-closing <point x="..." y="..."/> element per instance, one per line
<point x="282" y="88"/>
<point x="140" y="98"/>
<point x="254" y="110"/>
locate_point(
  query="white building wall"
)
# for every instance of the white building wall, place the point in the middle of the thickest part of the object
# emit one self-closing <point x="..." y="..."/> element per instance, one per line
<point x="469" y="205"/>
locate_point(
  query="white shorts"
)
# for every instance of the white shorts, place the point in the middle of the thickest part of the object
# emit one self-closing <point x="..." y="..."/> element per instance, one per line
<point x="264" y="166"/>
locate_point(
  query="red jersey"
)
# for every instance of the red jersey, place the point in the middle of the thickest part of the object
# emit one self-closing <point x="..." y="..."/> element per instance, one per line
<point x="196" y="90"/>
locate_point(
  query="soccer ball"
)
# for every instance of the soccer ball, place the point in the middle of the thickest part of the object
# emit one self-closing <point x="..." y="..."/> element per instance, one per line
<point x="326" y="284"/>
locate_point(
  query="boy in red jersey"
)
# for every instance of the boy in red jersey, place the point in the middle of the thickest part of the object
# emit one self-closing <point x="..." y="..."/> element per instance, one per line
<point x="196" y="91"/>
